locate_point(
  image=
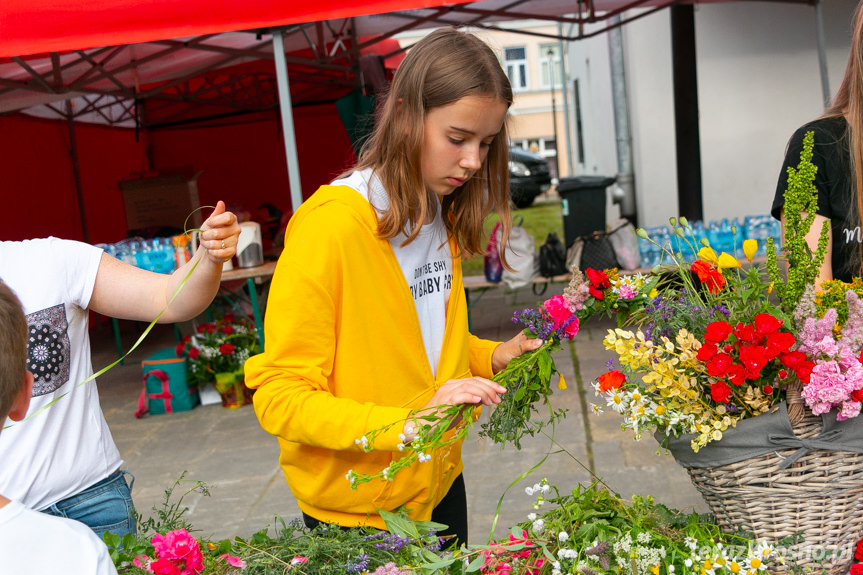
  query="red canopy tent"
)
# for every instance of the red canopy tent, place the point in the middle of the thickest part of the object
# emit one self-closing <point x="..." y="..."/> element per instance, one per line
<point x="162" y="65"/>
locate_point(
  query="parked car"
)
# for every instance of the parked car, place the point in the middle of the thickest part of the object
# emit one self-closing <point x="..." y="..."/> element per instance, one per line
<point x="529" y="176"/>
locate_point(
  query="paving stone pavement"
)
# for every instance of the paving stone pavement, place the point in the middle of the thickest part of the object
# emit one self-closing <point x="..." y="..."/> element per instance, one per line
<point x="227" y="449"/>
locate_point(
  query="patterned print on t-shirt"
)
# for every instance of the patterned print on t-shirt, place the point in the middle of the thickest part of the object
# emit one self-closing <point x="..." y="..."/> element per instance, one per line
<point x="48" y="349"/>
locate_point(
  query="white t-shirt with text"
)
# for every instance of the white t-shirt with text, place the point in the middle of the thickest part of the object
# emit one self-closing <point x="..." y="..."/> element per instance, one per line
<point x="426" y="264"/>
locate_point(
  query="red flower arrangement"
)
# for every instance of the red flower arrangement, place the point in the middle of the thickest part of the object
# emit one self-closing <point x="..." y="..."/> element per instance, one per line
<point x="220" y="347"/>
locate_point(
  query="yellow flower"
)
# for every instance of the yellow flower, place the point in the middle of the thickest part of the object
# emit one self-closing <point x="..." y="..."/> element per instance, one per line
<point x="653" y="293"/>
<point x="561" y="384"/>
<point x="727" y="261"/>
<point x="770" y="289"/>
<point x="655" y="569"/>
<point x="749" y="248"/>
<point x="708" y="255"/>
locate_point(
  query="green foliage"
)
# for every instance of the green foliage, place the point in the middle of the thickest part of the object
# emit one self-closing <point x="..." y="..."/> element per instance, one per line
<point x="801" y="204"/>
<point x="170" y="515"/>
<point x="527" y="379"/>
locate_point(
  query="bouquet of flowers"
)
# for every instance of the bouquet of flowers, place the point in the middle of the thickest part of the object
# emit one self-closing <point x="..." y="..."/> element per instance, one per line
<point x="711" y="343"/>
<point x="219" y="348"/>
<point x="527" y="379"/>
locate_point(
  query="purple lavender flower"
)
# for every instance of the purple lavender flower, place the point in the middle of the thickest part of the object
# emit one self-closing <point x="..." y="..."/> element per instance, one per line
<point x="358" y="566"/>
<point x="610" y="363"/>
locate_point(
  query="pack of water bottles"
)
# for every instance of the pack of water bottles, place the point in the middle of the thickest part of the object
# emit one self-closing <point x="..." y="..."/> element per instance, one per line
<point x="160" y="255"/>
<point x="724" y="236"/>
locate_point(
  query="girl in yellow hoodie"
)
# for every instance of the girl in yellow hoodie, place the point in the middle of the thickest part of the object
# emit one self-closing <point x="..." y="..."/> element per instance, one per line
<point x="366" y="319"/>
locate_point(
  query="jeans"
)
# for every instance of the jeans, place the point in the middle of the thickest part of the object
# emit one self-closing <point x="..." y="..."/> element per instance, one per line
<point x="104" y="506"/>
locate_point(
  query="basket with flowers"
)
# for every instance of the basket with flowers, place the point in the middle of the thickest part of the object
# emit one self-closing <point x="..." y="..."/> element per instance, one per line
<point x="217" y="353"/>
<point x="749" y="380"/>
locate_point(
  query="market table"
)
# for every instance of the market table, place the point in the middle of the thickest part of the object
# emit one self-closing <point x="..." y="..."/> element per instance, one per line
<point x="253" y="276"/>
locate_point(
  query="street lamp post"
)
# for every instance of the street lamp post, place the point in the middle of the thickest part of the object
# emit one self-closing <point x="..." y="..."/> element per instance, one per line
<point x="550" y="55"/>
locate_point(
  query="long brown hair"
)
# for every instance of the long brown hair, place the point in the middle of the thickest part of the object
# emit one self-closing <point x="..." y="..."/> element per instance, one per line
<point x="849" y="103"/>
<point x="440" y="69"/>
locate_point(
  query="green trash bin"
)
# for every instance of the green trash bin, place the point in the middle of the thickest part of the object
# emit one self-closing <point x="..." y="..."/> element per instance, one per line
<point x="583" y="205"/>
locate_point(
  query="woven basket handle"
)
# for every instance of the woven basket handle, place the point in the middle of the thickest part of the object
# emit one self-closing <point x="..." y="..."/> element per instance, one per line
<point x="798" y="413"/>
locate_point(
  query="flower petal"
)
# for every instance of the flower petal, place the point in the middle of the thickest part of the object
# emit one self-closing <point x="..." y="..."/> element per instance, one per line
<point x="727" y="261"/>
<point x="708" y="255"/>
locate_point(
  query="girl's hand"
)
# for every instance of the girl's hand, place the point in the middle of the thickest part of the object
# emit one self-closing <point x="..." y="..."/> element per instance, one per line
<point x="507" y="351"/>
<point x="220" y="234"/>
<point x="469" y="392"/>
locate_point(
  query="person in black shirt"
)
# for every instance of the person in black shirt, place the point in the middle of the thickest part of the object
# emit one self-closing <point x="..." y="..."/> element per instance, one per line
<point x="838" y="155"/>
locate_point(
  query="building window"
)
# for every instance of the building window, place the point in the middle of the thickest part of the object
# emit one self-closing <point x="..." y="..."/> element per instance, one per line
<point x="549" y="59"/>
<point x="515" y="62"/>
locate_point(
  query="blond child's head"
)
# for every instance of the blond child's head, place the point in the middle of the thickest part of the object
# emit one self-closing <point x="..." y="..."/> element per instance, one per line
<point x="15" y="380"/>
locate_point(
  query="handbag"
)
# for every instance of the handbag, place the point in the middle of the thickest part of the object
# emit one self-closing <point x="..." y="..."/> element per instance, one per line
<point x="165" y="387"/>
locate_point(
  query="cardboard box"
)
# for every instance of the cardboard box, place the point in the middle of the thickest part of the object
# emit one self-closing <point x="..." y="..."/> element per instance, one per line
<point x="162" y="201"/>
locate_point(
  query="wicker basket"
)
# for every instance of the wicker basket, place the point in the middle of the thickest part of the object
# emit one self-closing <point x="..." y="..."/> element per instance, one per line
<point x="819" y="496"/>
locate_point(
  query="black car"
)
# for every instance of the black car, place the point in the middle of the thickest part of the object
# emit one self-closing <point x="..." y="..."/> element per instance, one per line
<point x="529" y="176"/>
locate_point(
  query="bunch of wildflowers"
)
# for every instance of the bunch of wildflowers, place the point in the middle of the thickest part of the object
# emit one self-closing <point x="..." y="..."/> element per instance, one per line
<point x="607" y="292"/>
<point x="832" y="373"/>
<point x="711" y="347"/>
<point x="527" y="379"/>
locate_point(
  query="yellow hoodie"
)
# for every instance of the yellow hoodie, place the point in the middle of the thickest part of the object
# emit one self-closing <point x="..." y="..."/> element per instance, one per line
<point x="344" y="356"/>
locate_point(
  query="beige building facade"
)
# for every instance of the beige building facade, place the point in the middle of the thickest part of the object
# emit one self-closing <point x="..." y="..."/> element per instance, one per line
<point x="534" y="66"/>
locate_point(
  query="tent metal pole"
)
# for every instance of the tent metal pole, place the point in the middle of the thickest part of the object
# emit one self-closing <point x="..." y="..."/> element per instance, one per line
<point x="822" y="53"/>
<point x="76" y="171"/>
<point x="287" y="119"/>
<point x="624" y="193"/>
<point x="565" y="96"/>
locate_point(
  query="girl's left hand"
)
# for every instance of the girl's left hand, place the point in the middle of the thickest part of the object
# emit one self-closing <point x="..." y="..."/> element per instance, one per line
<point x="513" y="348"/>
<point x="220" y="234"/>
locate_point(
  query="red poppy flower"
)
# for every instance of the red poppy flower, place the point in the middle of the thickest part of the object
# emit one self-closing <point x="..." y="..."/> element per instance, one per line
<point x="720" y="392"/>
<point x="856" y="569"/>
<point x="226" y="349"/>
<point x="745" y="333"/>
<point x="858" y="554"/>
<point x="718" y="366"/>
<point x="717" y="332"/>
<point x="194" y="352"/>
<point x="857" y="395"/>
<point x="611" y="380"/>
<point x="765" y="324"/>
<point x="707" y="351"/>
<point x="701" y="269"/>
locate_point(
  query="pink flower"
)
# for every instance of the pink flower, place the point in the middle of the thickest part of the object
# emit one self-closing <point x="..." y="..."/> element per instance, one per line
<point x="164" y="567"/>
<point x="626" y="292"/>
<point x="558" y="309"/>
<point x="142" y="562"/>
<point x="827" y="346"/>
<point x="299" y="559"/>
<point x="849" y="410"/>
<point x="182" y="548"/>
<point x="233" y="561"/>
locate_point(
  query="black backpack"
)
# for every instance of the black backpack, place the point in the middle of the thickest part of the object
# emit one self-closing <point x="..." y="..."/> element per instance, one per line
<point x="552" y="257"/>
